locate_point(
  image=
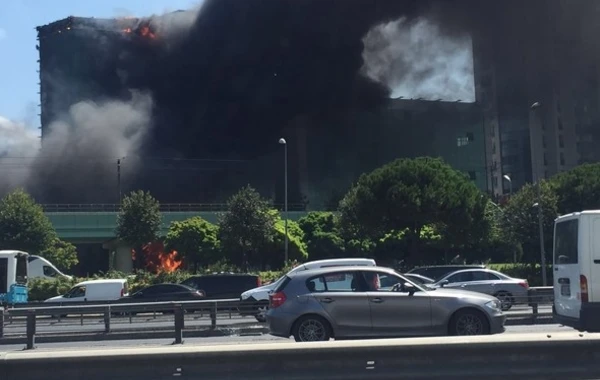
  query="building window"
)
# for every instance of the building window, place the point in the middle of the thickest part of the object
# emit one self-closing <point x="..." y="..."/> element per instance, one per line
<point x="562" y="158"/>
<point x="470" y="136"/>
<point x="561" y="141"/>
<point x="472" y="175"/>
<point x="545" y="159"/>
<point x="462" y="141"/>
<point x="560" y="124"/>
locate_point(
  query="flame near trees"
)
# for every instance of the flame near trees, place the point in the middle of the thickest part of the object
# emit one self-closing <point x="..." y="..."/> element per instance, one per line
<point x="157" y="259"/>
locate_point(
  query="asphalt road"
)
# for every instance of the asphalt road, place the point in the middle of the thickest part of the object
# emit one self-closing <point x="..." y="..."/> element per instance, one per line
<point x="159" y="322"/>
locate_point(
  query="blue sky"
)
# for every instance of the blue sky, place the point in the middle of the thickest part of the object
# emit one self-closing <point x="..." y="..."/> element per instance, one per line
<point x="18" y="56"/>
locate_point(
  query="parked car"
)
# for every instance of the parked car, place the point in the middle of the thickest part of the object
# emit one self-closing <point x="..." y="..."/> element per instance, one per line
<point x="508" y="290"/>
<point x="256" y="301"/>
<point x="223" y="285"/>
<point x="419" y="279"/>
<point x="437" y="272"/>
<point x="316" y="305"/>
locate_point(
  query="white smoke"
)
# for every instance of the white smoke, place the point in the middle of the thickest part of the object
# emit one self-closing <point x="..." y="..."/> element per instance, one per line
<point x="415" y="60"/>
<point x="80" y="149"/>
<point x="19" y="145"/>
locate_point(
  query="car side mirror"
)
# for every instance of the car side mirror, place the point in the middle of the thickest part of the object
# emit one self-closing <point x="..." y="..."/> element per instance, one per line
<point x="444" y="283"/>
<point x="409" y="288"/>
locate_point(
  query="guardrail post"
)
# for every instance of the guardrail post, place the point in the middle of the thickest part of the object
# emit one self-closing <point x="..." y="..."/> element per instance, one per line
<point x="213" y="316"/>
<point x="1" y="321"/>
<point x="107" y="320"/>
<point x="178" y="324"/>
<point x="30" y="330"/>
<point x="533" y="302"/>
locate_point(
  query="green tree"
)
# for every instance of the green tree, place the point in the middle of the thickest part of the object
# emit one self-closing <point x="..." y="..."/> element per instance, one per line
<point x="520" y="220"/>
<point x="23" y="224"/>
<point x="577" y="189"/>
<point x="321" y="234"/>
<point x="274" y="254"/>
<point x="61" y="253"/>
<point x="138" y="222"/>
<point x="247" y="227"/>
<point x="195" y="240"/>
<point x="409" y="194"/>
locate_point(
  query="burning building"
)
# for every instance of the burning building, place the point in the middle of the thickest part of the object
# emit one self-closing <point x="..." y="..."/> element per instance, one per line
<point x="226" y="82"/>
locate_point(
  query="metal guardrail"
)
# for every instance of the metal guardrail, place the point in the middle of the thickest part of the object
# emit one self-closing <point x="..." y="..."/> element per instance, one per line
<point x="164" y="207"/>
<point x="537" y="296"/>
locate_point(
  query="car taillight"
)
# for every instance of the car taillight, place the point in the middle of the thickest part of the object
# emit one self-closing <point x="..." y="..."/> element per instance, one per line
<point x="122" y="292"/>
<point x="276" y="299"/>
<point x="524" y="284"/>
<point x="583" y="286"/>
<point x="258" y="282"/>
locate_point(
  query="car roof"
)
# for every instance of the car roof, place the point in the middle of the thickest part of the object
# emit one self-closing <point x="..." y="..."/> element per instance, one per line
<point x="224" y="274"/>
<point x="321" y="271"/>
<point x="109" y="281"/>
<point x="474" y="270"/>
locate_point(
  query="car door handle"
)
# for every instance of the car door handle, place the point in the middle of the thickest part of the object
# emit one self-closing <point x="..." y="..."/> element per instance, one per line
<point x="327" y="300"/>
<point x="377" y="300"/>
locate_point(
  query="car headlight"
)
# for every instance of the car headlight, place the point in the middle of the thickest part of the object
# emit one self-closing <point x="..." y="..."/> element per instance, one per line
<point x="494" y="305"/>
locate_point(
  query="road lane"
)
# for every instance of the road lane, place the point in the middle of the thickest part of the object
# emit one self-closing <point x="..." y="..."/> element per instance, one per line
<point x="236" y="339"/>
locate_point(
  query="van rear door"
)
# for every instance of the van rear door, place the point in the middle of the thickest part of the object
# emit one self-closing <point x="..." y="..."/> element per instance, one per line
<point x="567" y="293"/>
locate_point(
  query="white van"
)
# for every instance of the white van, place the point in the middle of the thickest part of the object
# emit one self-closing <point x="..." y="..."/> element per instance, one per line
<point x="259" y="297"/>
<point x="576" y="262"/>
<point x="94" y="290"/>
<point x="39" y="267"/>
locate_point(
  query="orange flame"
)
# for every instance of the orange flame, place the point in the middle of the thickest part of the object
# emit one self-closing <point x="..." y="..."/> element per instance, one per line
<point x="156" y="259"/>
<point x="146" y="32"/>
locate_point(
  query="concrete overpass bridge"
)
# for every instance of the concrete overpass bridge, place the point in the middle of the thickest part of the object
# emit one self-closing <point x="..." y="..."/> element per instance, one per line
<point x="92" y="227"/>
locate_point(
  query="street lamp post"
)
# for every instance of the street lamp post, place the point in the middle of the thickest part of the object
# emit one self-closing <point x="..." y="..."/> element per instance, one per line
<point x="285" y="203"/>
<point x="535" y="166"/>
<point x="507" y="177"/>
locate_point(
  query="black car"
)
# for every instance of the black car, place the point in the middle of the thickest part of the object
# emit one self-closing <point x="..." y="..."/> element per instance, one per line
<point x="163" y="293"/>
<point x="223" y="285"/>
<point x="437" y="272"/>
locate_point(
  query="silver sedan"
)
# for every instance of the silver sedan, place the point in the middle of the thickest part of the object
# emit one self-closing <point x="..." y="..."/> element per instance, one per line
<point x="341" y="303"/>
<point x="508" y="290"/>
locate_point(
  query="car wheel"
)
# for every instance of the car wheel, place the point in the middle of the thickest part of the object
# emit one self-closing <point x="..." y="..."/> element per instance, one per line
<point x="311" y="328"/>
<point x="261" y="311"/>
<point x="506" y="299"/>
<point x="469" y="322"/>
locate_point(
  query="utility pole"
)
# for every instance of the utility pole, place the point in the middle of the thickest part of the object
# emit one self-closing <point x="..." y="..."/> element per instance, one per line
<point x="535" y="164"/>
<point x="285" y="206"/>
<point x="119" y="179"/>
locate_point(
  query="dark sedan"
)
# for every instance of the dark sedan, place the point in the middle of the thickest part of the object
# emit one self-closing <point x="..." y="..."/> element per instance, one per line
<point x="164" y="293"/>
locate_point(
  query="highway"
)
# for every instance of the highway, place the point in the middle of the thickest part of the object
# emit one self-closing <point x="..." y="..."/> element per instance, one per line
<point x="237" y="339"/>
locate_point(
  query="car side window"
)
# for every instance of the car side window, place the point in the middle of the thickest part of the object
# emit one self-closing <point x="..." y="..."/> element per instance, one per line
<point x="461" y="277"/>
<point x="76" y="292"/>
<point x="49" y="272"/>
<point x="380" y="282"/>
<point x="484" y="276"/>
<point x="334" y="282"/>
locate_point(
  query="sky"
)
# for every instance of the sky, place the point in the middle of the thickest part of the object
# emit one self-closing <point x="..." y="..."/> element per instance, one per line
<point x="19" y="79"/>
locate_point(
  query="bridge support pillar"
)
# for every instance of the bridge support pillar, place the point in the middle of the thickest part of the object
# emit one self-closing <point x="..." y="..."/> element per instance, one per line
<point x="119" y="255"/>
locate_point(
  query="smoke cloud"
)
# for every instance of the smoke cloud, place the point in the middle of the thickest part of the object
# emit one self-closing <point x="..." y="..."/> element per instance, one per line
<point x="415" y="60"/>
<point x="18" y="147"/>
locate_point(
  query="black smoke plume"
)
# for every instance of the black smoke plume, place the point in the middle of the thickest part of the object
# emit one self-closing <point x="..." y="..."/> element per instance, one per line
<point x="225" y="81"/>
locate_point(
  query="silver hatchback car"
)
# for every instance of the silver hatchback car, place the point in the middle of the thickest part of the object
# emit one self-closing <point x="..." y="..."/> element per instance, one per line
<point x="368" y="302"/>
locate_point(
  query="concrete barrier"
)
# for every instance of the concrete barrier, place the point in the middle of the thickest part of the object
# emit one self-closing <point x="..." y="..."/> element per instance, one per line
<point x="531" y="357"/>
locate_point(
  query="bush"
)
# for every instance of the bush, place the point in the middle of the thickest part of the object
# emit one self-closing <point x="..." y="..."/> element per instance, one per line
<point x="40" y="289"/>
<point x="532" y="273"/>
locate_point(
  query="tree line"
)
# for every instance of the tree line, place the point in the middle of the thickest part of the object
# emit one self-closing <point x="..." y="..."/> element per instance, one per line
<point x="408" y="212"/>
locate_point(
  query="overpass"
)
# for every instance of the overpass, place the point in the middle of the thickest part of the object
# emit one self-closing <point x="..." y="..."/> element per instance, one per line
<point x="96" y="223"/>
<point x="92" y="228"/>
